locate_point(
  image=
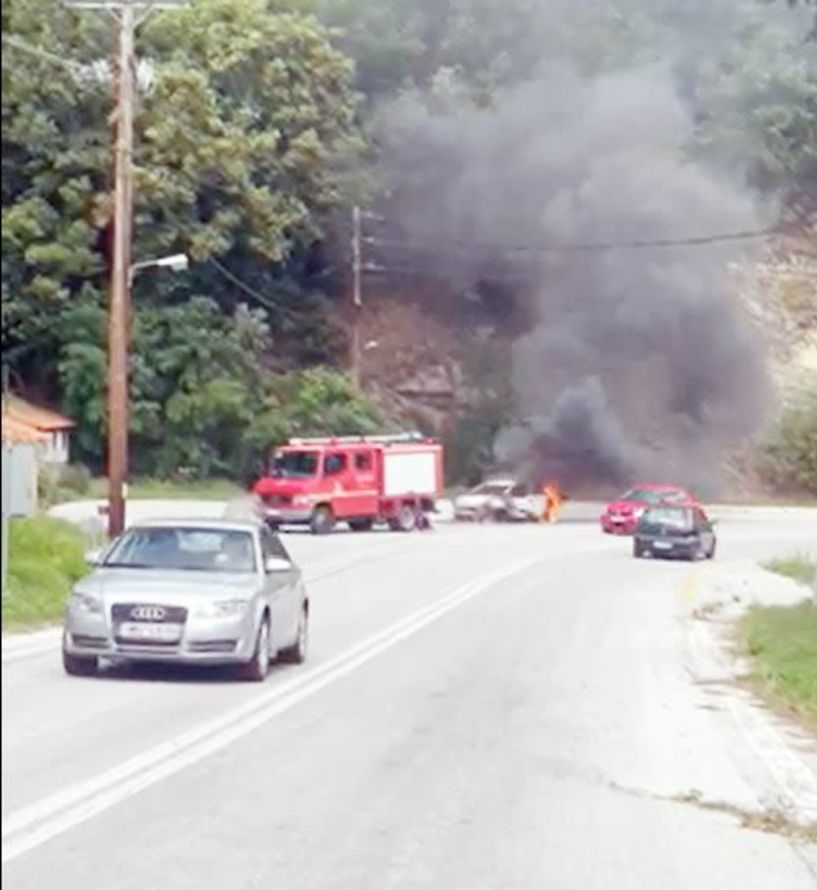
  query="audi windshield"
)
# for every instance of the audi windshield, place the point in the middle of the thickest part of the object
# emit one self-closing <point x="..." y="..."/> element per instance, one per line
<point x="184" y="549"/>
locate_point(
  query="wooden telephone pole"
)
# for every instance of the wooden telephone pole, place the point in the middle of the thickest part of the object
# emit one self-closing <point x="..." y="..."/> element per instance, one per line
<point x="129" y="14"/>
<point x="357" y="297"/>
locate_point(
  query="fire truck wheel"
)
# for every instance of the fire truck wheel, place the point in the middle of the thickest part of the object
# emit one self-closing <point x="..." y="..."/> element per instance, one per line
<point x="405" y="521"/>
<point x="323" y="520"/>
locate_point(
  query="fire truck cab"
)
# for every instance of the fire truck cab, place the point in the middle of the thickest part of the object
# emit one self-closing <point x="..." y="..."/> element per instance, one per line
<point x="357" y="479"/>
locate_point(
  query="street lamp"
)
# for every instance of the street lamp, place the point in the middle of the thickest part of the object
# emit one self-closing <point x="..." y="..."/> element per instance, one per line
<point x="178" y="262"/>
<point x="118" y="379"/>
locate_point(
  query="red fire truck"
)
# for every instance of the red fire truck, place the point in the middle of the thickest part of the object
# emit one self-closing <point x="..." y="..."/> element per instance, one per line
<point x="357" y="479"/>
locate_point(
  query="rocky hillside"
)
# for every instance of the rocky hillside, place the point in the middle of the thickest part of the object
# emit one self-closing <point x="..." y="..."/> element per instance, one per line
<point x="432" y="371"/>
<point x="780" y="294"/>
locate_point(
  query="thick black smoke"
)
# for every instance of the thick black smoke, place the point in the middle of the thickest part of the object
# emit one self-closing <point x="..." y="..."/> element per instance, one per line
<point x="637" y="362"/>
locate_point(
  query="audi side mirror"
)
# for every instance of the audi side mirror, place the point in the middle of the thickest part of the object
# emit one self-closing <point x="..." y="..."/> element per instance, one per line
<point x="275" y="565"/>
<point x="93" y="557"/>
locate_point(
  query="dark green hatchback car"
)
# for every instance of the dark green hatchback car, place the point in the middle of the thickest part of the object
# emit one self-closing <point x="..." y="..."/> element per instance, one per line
<point x="682" y="532"/>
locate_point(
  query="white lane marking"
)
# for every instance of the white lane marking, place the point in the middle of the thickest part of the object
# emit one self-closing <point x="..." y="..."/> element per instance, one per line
<point x="38" y="823"/>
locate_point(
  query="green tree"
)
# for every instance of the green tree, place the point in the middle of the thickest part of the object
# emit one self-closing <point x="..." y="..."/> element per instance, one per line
<point x="244" y="145"/>
<point x="201" y="397"/>
<point x="789" y="458"/>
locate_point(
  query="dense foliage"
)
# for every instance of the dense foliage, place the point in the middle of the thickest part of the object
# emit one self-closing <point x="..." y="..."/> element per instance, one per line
<point x="256" y="130"/>
<point x="790" y="455"/>
<point x="46" y="558"/>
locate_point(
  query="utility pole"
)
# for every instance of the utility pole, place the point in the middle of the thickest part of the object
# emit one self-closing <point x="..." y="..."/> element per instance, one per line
<point x="357" y="302"/>
<point x="129" y="14"/>
<point x="119" y="309"/>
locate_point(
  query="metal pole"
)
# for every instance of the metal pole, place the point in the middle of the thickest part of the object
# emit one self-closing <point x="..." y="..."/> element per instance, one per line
<point x="357" y="302"/>
<point x="119" y="310"/>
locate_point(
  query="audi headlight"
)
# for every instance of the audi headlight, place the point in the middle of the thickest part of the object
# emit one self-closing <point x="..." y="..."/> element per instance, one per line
<point x="223" y="608"/>
<point x="85" y="602"/>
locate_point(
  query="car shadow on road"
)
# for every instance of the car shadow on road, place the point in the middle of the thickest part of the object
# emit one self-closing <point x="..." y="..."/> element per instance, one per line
<point x="198" y="675"/>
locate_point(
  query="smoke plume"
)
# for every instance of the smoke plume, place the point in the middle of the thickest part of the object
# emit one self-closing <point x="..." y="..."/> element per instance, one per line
<point x="636" y="363"/>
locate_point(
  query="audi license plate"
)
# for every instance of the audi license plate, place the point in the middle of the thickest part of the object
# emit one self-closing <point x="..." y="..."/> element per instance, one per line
<point x="663" y="545"/>
<point x="150" y="633"/>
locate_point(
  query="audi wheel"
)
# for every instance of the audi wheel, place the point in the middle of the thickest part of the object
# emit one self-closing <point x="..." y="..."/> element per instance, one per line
<point x="257" y="668"/>
<point x="296" y="654"/>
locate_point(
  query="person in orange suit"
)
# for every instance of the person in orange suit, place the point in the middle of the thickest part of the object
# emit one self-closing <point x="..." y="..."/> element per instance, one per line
<point x="553" y="502"/>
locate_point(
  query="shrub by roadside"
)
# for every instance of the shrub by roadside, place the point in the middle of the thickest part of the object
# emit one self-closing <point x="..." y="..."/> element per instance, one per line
<point x="799" y="567"/>
<point x="782" y="641"/>
<point x="789" y="458"/>
<point x="46" y="557"/>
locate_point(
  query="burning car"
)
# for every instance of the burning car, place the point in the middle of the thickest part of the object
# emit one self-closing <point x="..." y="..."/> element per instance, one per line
<point x="500" y="500"/>
<point x="621" y="516"/>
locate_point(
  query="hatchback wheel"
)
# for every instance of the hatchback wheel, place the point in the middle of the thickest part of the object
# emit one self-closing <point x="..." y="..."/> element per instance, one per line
<point x="296" y="654"/>
<point x="257" y="668"/>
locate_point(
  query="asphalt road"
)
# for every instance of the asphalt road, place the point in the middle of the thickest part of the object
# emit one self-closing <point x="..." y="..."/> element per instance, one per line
<point x="484" y="708"/>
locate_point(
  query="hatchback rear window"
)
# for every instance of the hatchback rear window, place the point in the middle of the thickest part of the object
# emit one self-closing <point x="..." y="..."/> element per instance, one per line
<point x="668" y="517"/>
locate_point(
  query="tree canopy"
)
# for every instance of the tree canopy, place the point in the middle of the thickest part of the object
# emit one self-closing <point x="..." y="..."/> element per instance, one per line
<point x="259" y="124"/>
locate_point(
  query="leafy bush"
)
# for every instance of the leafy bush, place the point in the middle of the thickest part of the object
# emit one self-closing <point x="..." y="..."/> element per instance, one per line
<point x="46" y="557"/>
<point x="57" y="483"/>
<point x="201" y="398"/>
<point x="789" y="458"/>
<point x="799" y="567"/>
<point x="75" y="478"/>
<point x="781" y="641"/>
<point x="315" y="402"/>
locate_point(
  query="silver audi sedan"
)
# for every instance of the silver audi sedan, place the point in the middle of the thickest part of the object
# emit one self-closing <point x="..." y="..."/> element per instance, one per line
<point x="192" y="592"/>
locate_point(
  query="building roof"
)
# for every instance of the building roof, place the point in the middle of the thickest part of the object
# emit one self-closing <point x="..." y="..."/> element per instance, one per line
<point x="42" y="419"/>
<point x="17" y="433"/>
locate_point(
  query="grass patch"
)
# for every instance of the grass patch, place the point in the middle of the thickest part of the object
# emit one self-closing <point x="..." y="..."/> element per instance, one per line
<point x="172" y="490"/>
<point x="799" y="567"/>
<point x="782" y="641"/>
<point x="46" y="557"/>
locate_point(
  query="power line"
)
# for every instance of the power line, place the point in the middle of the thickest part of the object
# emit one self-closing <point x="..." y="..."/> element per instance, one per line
<point x="557" y="247"/>
<point x="256" y="294"/>
<point x="416" y="272"/>
<point x="76" y="68"/>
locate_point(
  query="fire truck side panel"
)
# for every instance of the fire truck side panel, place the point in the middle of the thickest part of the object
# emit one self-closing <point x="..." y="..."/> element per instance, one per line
<point x="411" y="474"/>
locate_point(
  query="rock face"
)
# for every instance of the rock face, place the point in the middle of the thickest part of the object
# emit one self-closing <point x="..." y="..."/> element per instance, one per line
<point x="434" y="383"/>
<point x="779" y="293"/>
<point x="413" y="365"/>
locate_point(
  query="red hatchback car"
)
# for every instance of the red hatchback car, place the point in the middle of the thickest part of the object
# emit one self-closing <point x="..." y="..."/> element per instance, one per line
<point x="620" y="517"/>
